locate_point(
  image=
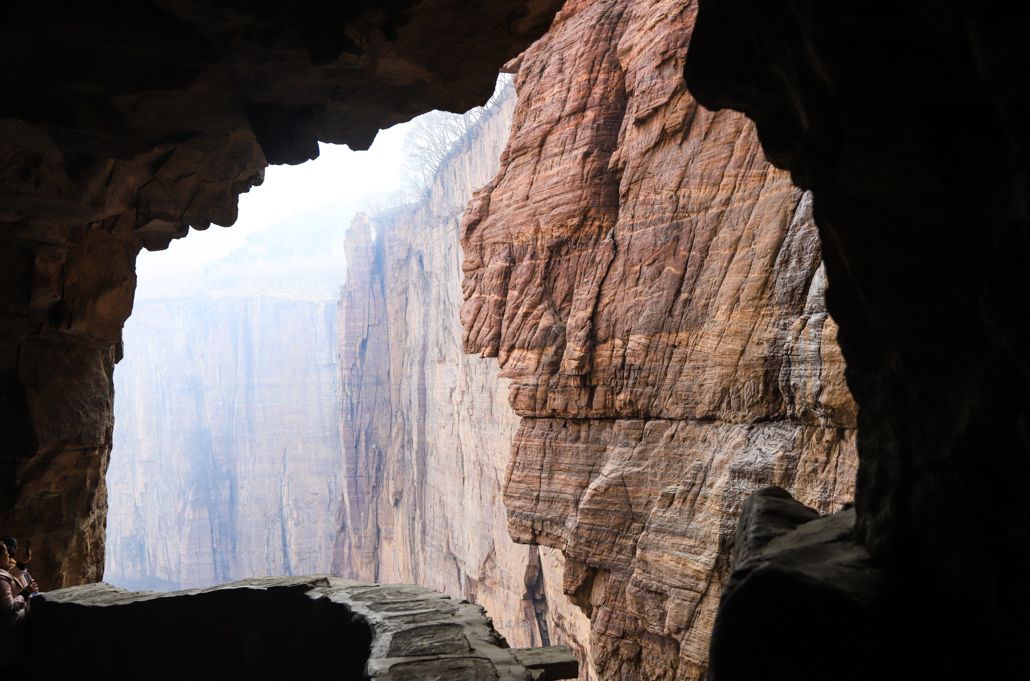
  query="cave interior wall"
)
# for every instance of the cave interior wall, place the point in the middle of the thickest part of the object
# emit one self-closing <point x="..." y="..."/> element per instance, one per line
<point x="909" y="122"/>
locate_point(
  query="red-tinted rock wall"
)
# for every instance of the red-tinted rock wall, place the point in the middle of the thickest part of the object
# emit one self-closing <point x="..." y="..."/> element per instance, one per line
<point x="653" y="290"/>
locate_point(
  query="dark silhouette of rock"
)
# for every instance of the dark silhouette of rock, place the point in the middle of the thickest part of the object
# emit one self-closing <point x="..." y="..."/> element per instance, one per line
<point x="275" y="628"/>
<point x="909" y="123"/>
<point x="800" y="583"/>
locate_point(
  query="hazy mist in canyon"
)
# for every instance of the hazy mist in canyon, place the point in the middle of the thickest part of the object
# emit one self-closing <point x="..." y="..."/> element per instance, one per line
<point x="227" y="457"/>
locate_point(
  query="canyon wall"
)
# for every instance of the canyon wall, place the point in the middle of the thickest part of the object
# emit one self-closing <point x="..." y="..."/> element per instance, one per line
<point x="226" y="457"/>
<point x="652" y="290"/>
<point x="426" y="429"/>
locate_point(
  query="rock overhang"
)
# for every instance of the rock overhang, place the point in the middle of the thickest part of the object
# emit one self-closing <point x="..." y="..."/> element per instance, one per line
<point x="171" y="109"/>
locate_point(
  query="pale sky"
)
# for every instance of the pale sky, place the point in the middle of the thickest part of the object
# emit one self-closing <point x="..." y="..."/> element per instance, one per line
<point x="338" y="176"/>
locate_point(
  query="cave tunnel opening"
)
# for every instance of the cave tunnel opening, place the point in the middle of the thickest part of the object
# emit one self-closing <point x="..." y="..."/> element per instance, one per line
<point x="181" y="111"/>
<point x="228" y="457"/>
<point x="133" y="125"/>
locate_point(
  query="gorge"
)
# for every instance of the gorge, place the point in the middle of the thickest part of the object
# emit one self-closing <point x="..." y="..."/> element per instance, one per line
<point x="644" y="290"/>
<point x="662" y="340"/>
<point x="427" y="429"/>
<point x="226" y="447"/>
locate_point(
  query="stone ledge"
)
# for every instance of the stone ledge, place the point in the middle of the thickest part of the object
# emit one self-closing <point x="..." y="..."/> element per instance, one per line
<point x="407" y="632"/>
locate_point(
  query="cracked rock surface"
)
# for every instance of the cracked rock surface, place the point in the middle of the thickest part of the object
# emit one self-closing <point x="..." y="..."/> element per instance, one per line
<point x="426" y="429"/>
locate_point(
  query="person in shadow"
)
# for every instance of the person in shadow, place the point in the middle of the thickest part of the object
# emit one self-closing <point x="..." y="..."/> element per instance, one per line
<point x="14" y="606"/>
<point x="20" y="562"/>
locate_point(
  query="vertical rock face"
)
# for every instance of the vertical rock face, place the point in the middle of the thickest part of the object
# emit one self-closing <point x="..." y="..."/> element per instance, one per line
<point x="426" y="430"/>
<point x="66" y="295"/>
<point x="652" y="290"/>
<point x="226" y="457"/>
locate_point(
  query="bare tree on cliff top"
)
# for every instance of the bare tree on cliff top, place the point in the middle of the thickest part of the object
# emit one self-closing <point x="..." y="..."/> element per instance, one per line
<point x="435" y="136"/>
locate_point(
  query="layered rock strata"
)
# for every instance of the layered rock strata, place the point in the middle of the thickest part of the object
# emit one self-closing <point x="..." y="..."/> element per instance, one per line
<point x="916" y="154"/>
<point x="129" y="122"/>
<point x="226" y="457"/>
<point x="324" y="628"/>
<point x="652" y="290"/>
<point x="426" y="429"/>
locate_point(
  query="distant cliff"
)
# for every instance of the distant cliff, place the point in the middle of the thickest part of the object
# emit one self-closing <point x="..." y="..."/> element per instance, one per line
<point x="226" y="458"/>
<point x="653" y="293"/>
<point x="426" y="429"/>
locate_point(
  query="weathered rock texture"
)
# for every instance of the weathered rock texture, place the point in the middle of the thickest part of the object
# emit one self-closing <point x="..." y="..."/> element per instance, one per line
<point x="910" y="124"/>
<point x="426" y="429"/>
<point x="322" y="628"/>
<point x="227" y="452"/>
<point x="125" y="123"/>
<point x="652" y="290"/>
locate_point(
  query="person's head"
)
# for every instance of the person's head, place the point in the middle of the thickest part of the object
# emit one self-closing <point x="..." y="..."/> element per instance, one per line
<point x="11" y="545"/>
<point x="5" y="557"/>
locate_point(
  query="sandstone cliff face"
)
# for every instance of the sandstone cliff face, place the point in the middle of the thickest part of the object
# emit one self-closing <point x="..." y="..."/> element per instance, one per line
<point x="426" y="429"/>
<point x="226" y="458"/>
<point x="652" y="290"/>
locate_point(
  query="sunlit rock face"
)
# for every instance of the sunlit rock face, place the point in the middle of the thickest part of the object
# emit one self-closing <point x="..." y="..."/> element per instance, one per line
<point x="653" y="292"/>
<point x="105" y="150"/>
<point x="426" y="429"/>
<point x="226" y="457"/>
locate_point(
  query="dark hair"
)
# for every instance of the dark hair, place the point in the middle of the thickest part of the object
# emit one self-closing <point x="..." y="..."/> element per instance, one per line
<point x="12" y="545"/>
